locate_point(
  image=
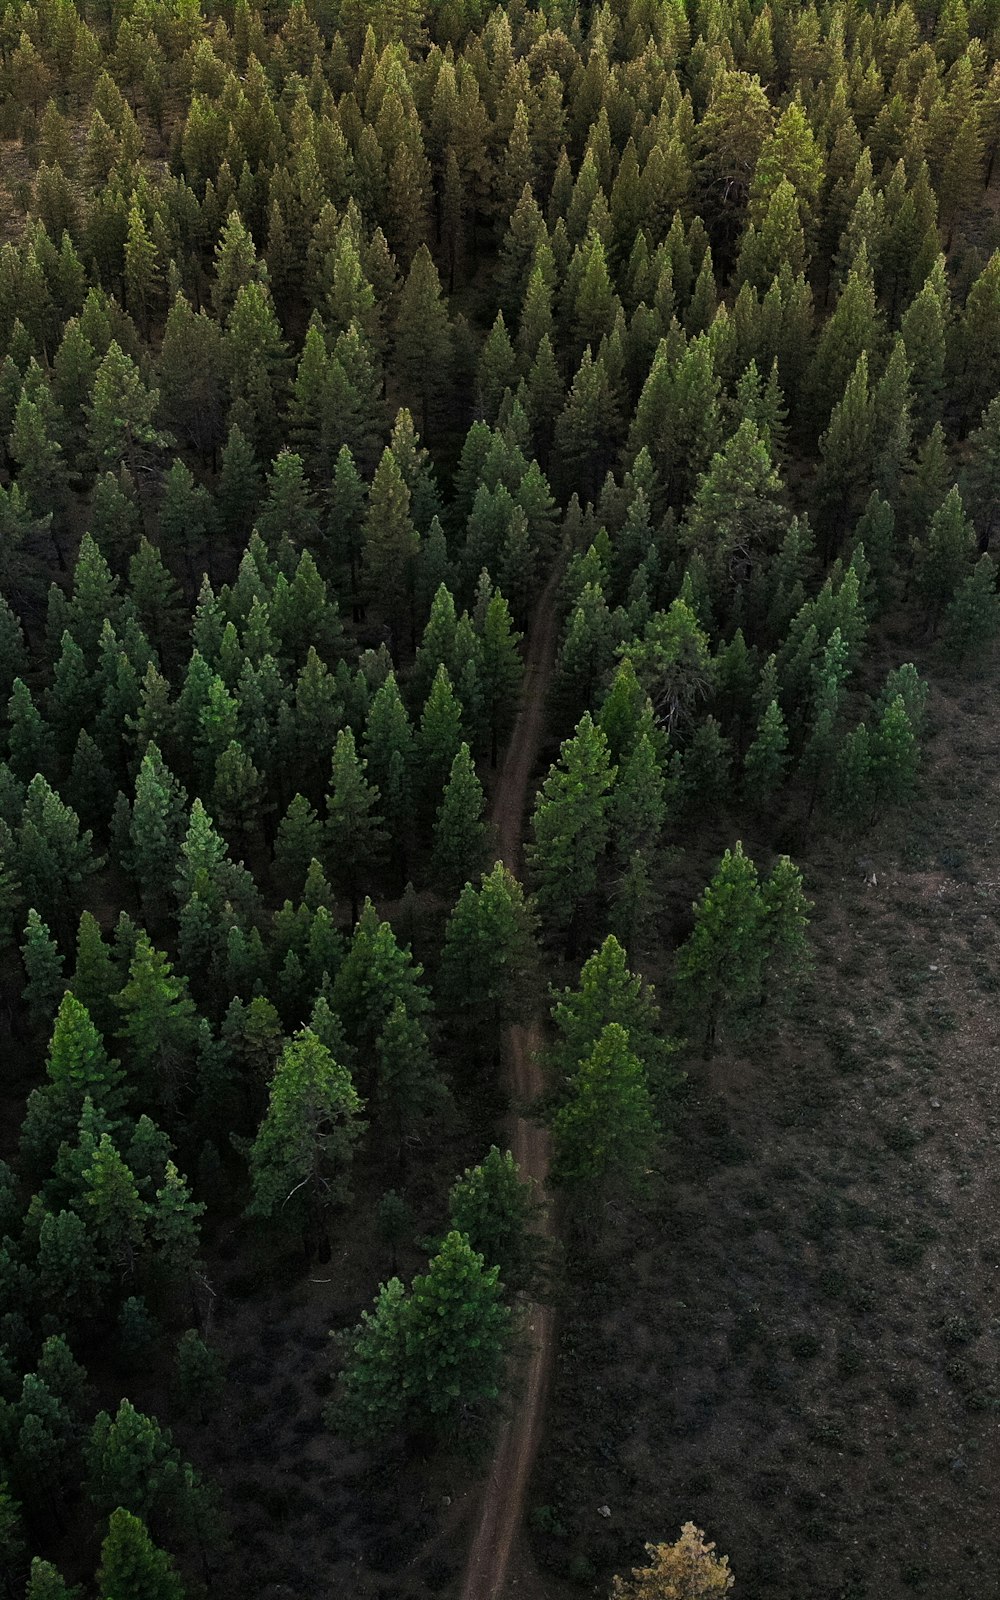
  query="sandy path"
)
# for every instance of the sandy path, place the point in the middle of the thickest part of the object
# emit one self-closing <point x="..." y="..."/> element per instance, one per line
<point x="500" y="1511"/>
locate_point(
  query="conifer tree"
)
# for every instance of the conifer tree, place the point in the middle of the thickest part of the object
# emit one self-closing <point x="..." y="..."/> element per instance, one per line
<point x="158" y="1024"/>
<point x="570" y="825"/>
<point x="460" y="831"/>
<point x="353" y="832"/>
<point x="489" y="959"/>
<point x="389" y="549"/>
<point x="131" y="1563"/>
<point x="765" y="762"/>
<point x="719" y="966"/>
<point x="43" y="970"/>
<point x="45" y="1582"/>
<point x="423" y="338"/>
<point x="603" y="1132"/>
<point x="972" y="619"/>
<point x="300" y="1160"/>
<point x="426" y="1358"/>
<point x="941" y="557"/>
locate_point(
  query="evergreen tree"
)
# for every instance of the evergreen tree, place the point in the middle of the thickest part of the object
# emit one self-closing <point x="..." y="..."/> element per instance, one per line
<point x="389" y="548"/>
<point x="158" y="1024"/>
<point x="491" y="1205"/>
<point x="895" y="755"/>
<point x="603" y="1132"/>
<point x="43" y="971"/>
<point x="200" y="1374"/>
<point x="459" y="831"/>
<point x="570" y="825"/>
<point x="423" y="338"/>
<point x="300" y="1160"/>
<point x="490" y="957"/>
<point x="719" y="966"/>
<point x="131" y="1563"/>
<point x="45" y="1582"/>
<point x="972" y="619"/>
<point x="407" y="1086"/>
<point x="427" y="1358"/>
<point x="353" y="832"/>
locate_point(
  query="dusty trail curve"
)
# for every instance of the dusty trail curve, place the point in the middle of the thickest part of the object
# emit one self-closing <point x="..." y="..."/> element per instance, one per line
<point x="502" y="1504"/>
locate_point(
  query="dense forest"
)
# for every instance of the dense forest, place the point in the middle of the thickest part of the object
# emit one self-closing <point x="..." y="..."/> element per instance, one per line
<point x="423" y="433"/>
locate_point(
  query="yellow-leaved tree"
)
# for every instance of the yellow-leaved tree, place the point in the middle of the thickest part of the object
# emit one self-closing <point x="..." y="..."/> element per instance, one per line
<point x="687" y="1570"/>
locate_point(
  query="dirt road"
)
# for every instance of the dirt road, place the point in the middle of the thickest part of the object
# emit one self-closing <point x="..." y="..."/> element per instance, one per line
<point x="500" y="1512"/>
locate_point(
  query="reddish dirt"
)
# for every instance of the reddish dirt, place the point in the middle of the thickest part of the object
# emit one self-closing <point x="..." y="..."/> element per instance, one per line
<point x="502" y="1504"/>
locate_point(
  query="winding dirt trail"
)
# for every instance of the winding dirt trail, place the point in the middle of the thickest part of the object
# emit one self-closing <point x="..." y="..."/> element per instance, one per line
<point x="502" y="1504"/>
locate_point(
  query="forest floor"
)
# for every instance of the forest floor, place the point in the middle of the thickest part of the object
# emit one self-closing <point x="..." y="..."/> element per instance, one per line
<point x="793" y="1339"/>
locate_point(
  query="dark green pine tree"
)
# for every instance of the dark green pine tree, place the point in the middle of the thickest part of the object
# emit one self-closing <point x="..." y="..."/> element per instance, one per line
<point x="408" y="1087"/>
<point x="493" y="1207"/>
<point x="158" y="1025"/>
<point x="766" y="760"/>
<point x="298" y="842"/>
<point x="423" y="340"/>
<point x="972" y="619"/>
<point x="43" y="971"/>
<point x="354" y="833"/>
<point x="490" y="960"/>
<point x="45" y="1582"/>
<point x="604" y="1131"/>
<point x="570" y="826"/>
<point x="131" y="1563"/>
<point x="460" y="831"/>
<point x="438" y="739"/>
<point x="301" y="1158"/>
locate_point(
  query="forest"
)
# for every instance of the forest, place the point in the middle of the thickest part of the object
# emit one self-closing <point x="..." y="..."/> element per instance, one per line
<point x="498" y="798"/>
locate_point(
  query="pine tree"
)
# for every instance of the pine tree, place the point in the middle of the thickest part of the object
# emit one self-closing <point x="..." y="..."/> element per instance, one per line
<point x="159" y="814"/>
<point x="895" y="755"/>
<point x="158" y="1024"/>
<point x="389" y="548"/>
<point x="456" y="1332"/>
<point x="851" y="792"/>
<point x="43" y="970"/>
<point x="608" y="992"/>
<point x="490" y="957"/>
<point x="298" y="842"/>
<point x="200" y="1374"/>
<point x="603" y="1132"/>
<point x="765" y="761"/>
<point x="353" y="832"/>
<point x="972" y="619"/>
<point x="423" y="338"/>
<point x="45" y="1582"/>
<point x="719" y="966"/>
<point x="941" y="557"/>
<point x="492" y="1206"/>
<point x="407" y="1086"/>
<point x="115" y="1210"/>
<point x="570" y="825"/>
<point x="131" y="1563"/>
<point x="460" y="831"/>
<point x="121" y="417"/>
<point x="300" y="1160"/>
<point x="438" y="739"/>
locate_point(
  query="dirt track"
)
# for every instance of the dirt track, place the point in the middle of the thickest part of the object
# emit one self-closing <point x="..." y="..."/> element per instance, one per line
<point x="502" y="1504"/>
